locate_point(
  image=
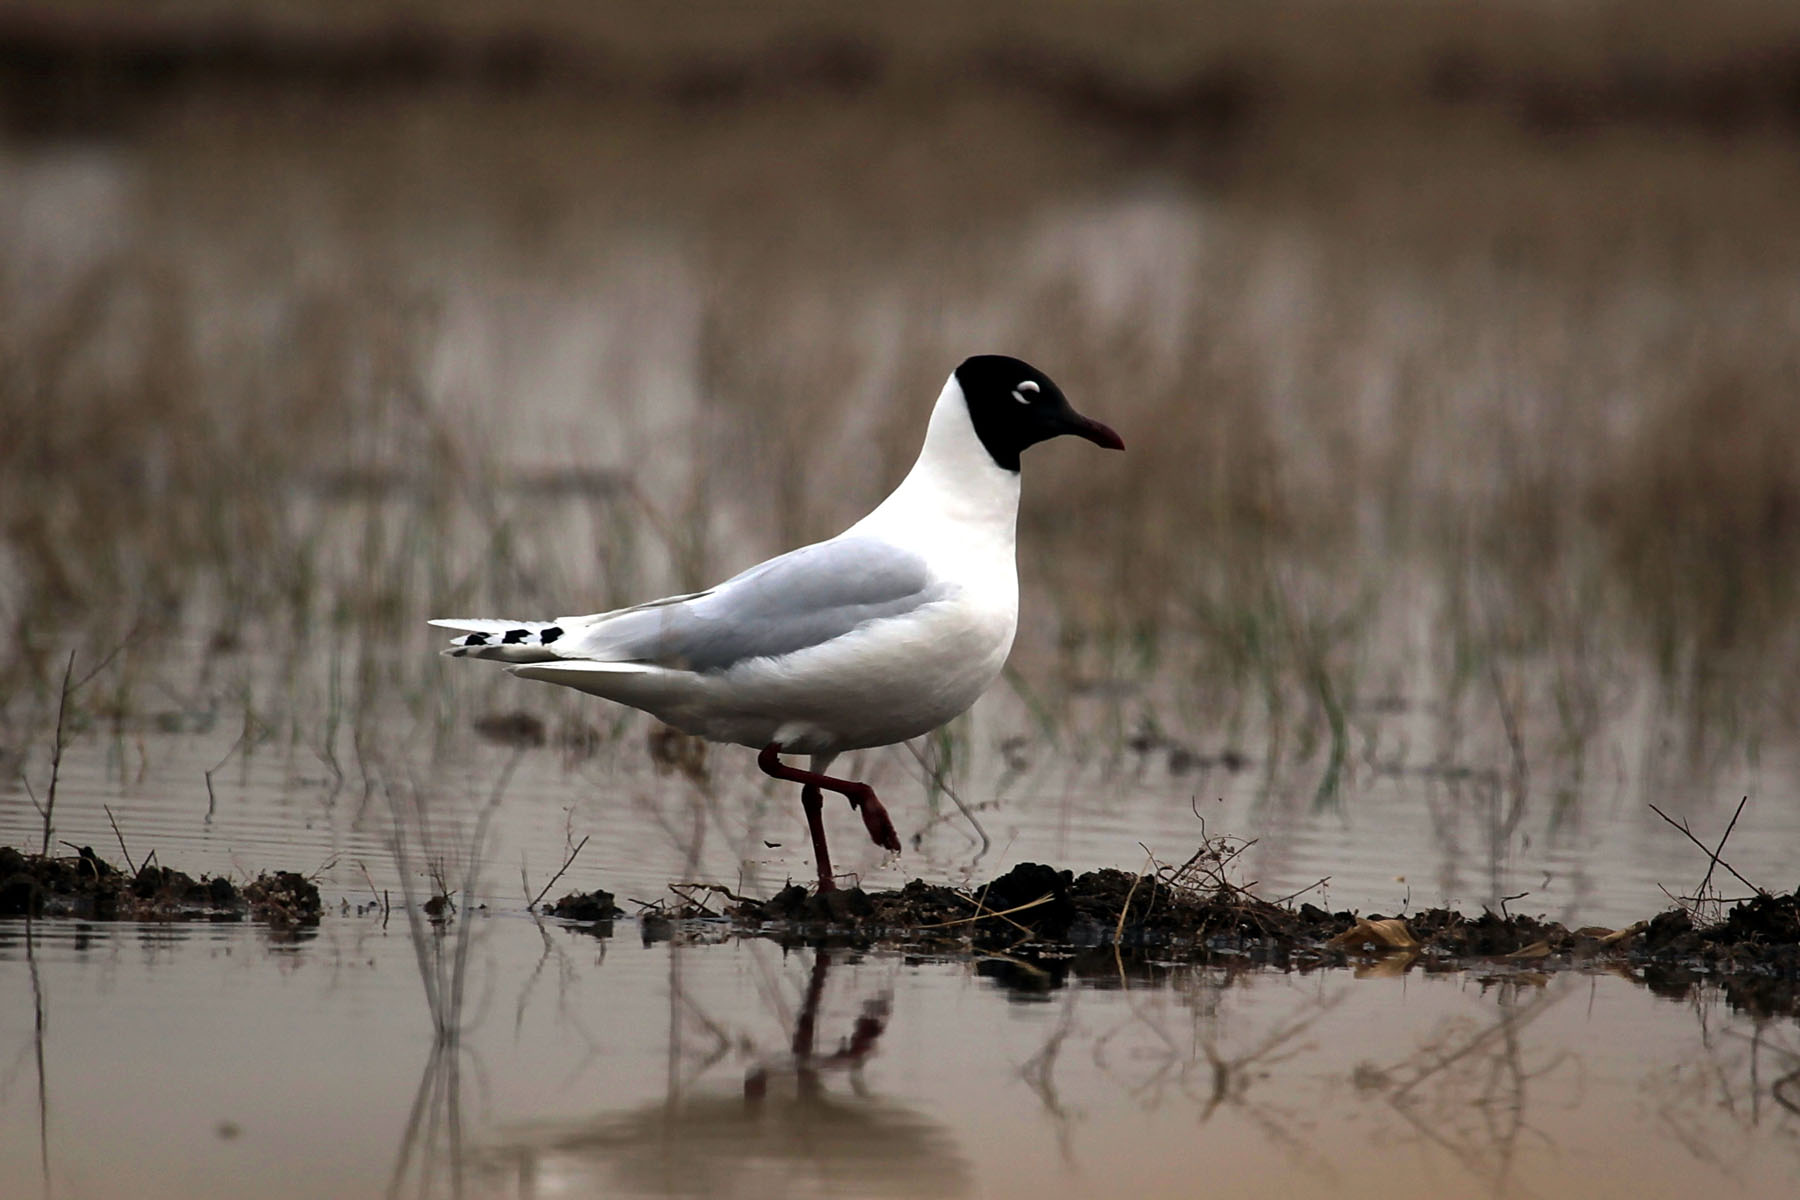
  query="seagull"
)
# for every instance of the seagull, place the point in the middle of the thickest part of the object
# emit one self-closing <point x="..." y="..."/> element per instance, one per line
<point x="876" y="636"/>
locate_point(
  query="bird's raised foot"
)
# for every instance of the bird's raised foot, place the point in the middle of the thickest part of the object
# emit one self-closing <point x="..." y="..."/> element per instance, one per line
<point x="861" y="796"/>
<point x="875" y="817"/>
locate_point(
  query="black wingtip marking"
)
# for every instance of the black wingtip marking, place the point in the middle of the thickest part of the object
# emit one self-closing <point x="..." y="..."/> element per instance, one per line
<point x="550" y="635"/>
<point x="476" y="639"/>
<point x="515" y="636"/>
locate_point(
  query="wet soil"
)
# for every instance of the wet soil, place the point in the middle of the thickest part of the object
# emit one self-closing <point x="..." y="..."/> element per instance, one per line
<point x="85" y="885"/>
<point x="1052" y="922"/>
<point x="587" y="907"/>
<point x="1049" y="922"/>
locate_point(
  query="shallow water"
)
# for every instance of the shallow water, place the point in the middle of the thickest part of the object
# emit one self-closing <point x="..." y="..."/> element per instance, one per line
<point x="187" y="1060"/>
<point x="1392" y="844"/>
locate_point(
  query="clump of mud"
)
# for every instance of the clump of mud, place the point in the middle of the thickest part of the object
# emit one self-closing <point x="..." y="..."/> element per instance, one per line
<point x="587" y="906"/>
<point x="1753" y="952"/>
<point x="1046" y="904"/>
<point x="283" y="899"/>
<point x="85" y="885"/>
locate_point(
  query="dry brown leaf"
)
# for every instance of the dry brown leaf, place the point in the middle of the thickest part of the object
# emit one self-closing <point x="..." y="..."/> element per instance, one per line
<point x="1390" y="933"/>
<point x="1388" y="966"/>
<point x="1537" y="949"/>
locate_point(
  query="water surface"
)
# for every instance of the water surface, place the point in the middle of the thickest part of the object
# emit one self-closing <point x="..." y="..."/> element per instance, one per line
<point x="186" y="1060"/>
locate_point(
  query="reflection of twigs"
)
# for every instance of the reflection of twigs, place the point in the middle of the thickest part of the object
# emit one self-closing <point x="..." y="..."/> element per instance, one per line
<point x="476" y="845"/>
<point x="1230" y="1076"/>
<point x="559" y="874"/>
<point x="936" y="779"/>
<point x="212" y="798"/>
<point x="1509" y="1023"/>
<point x="1712" y="854"/>
<point x="1786" y="1091"/>
<point x="120" y="836"/>
<point x="43" y="1088"/>
<point x="1213" y="1078"/>
<point x="1039" y="1074"/>
<point x="99" y="666"/>
<point x="1510" y="724"/>
<point x="567" y="976"/>
<point x="444" y="989"/>
<point x="245" y="735"/>
<point x="1494" y="1057"/>
<point x="435" y="1123"/>
<point x="435" y="1119"/>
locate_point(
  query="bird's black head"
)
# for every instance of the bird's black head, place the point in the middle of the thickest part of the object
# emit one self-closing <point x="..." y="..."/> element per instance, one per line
<point x="1014" y="405"/>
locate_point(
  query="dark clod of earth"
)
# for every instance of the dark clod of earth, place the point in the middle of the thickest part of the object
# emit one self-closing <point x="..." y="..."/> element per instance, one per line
<point x="587" y="906"/>
<point x="85" y="885"/>
<point x="1093" y="926"/>
<point x="1060" y="923"/>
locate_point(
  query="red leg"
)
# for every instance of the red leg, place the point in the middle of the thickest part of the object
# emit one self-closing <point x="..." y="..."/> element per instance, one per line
<point x="860" y="795"/>
<point x="813" y="801"/>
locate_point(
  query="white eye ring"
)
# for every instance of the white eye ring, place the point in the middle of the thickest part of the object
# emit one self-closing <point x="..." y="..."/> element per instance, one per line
<point x="1027" y="386"/>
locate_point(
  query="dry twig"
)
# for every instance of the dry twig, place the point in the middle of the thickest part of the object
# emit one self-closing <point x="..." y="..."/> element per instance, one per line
<point x="120" y="836"/>
<point x="56" y="752"/>
<point x="1713" y="855"/>
<point x="379" y="897"/>
<point x="532" y="907"/>
<point x="981" y="909"/>
<point x="1046" y="898"/>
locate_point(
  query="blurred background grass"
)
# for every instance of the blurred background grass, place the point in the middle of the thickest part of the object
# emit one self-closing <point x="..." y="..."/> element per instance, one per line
<point x="1455" y="346"/>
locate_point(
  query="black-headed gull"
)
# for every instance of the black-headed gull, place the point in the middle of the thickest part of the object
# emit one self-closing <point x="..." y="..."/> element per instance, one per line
<point x="878" y="635"/>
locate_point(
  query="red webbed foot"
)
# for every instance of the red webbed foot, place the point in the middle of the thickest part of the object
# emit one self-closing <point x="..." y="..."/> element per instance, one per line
<point x="875" y="818"/>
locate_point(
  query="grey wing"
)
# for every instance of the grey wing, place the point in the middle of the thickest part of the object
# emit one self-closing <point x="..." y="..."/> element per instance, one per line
<point x="803" y="598"/>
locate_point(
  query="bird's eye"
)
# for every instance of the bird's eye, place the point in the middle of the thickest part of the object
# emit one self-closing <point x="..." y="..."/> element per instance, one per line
<point x="1019" y="393"/>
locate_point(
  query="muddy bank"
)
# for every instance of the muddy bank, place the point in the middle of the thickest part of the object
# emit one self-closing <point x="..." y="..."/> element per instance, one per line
<point x="85" y="885"/>
<point x="1050" y="925"/>
<point x="1054" y="923"/>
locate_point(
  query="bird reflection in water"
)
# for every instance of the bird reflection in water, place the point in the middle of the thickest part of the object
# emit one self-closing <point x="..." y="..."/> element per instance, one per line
<point x="806" y="1066"/>
<point x="785" y="1132"/>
